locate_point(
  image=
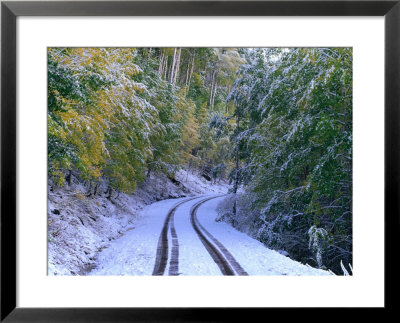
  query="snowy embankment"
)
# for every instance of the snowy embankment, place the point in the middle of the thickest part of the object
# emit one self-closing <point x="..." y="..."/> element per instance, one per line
<point x="135" y="252"/>
<point x="254" y="257"/>
<point x="80" y="226"/>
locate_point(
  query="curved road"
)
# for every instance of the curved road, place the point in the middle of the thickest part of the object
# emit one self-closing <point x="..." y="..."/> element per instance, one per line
<point x="181" y="237"/>
<point x="164" y="245"/>
<point x="221" y="256"/>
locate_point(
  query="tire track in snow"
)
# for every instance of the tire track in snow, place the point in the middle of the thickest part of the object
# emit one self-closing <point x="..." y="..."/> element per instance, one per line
<point x="222" y="257"/>
<point x="174" y="261"/>
<point x="162" y="247"/>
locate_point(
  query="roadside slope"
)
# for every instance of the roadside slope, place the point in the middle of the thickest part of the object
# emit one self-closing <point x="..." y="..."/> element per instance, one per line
<point x="80" y="226"/>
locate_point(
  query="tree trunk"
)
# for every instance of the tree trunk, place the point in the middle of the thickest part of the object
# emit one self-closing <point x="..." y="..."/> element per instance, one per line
<point x="161" y="65"/>
<point x="212" y="87"/>
<point x="110" y="190"/>
<point x="69" y="177"/>
<point x="191" y="72"/>
<point x="214" y="81"/>
<point x="187" y="72"/>
<point x="236" y="182"/>
<point x="89" y="193"/>
<point x="226" y="105"/>
<point x="177" y="63"/>
<point x="165" y="66"/>
<point x="171" y="76"/>
<point x="213" y="90"/>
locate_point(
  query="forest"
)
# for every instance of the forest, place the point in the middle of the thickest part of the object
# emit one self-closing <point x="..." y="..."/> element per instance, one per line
<point x="275" y="123"/>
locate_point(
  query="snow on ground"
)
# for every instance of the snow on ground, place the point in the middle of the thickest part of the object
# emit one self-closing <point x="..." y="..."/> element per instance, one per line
<point x="199" y="185"/>
<point x="135" y="252"/>
<point x="98" y="236"/>
<point x="79" y="227"/>
<point x="251" y="254"/>
<point x="193" y="256"/>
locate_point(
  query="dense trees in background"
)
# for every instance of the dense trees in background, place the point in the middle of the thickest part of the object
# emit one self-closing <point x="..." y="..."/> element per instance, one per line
<point x="276" y="122"/>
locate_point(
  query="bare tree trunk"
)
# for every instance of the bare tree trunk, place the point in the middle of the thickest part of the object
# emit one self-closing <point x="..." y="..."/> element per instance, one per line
<point x="147" y="56"/>
<point x="181" y="79"/>
<point x="187" y="72"/>
<point x="213" y="87"/>
<point x="177" y="64"/>
<point x="171" y="77"/>
<point x="215" y="91"/>
<point x="161" y="65"/>
<point x="191" y="72"/>
<point x="165" y="66"/>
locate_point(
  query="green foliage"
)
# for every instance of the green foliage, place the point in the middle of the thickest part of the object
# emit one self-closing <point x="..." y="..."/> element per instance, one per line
<point x="277" y="121"/>
<point x="295" y="141"/>
<point x="97" y="122"/>
<point x="114" y="115"/>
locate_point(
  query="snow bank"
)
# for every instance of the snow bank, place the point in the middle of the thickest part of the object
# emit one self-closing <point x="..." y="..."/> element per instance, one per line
<point x="255" y="258"/>
<point x="199" y="185"/>
<point x="79" y="227"/>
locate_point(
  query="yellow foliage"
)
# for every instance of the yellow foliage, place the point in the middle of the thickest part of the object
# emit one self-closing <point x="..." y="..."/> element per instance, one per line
<point x="57" y="174"/>
<point x="84" y="126"/>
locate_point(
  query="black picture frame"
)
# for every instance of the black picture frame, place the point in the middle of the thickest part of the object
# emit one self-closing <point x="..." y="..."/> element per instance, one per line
<point x="10" y="10"/>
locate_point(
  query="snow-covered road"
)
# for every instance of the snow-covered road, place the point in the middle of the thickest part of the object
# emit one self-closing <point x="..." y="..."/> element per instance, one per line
<point x="135" y="252"/>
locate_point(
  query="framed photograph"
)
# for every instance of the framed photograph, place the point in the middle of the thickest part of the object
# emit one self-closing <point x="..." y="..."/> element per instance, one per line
<point x="197" y="141"/>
